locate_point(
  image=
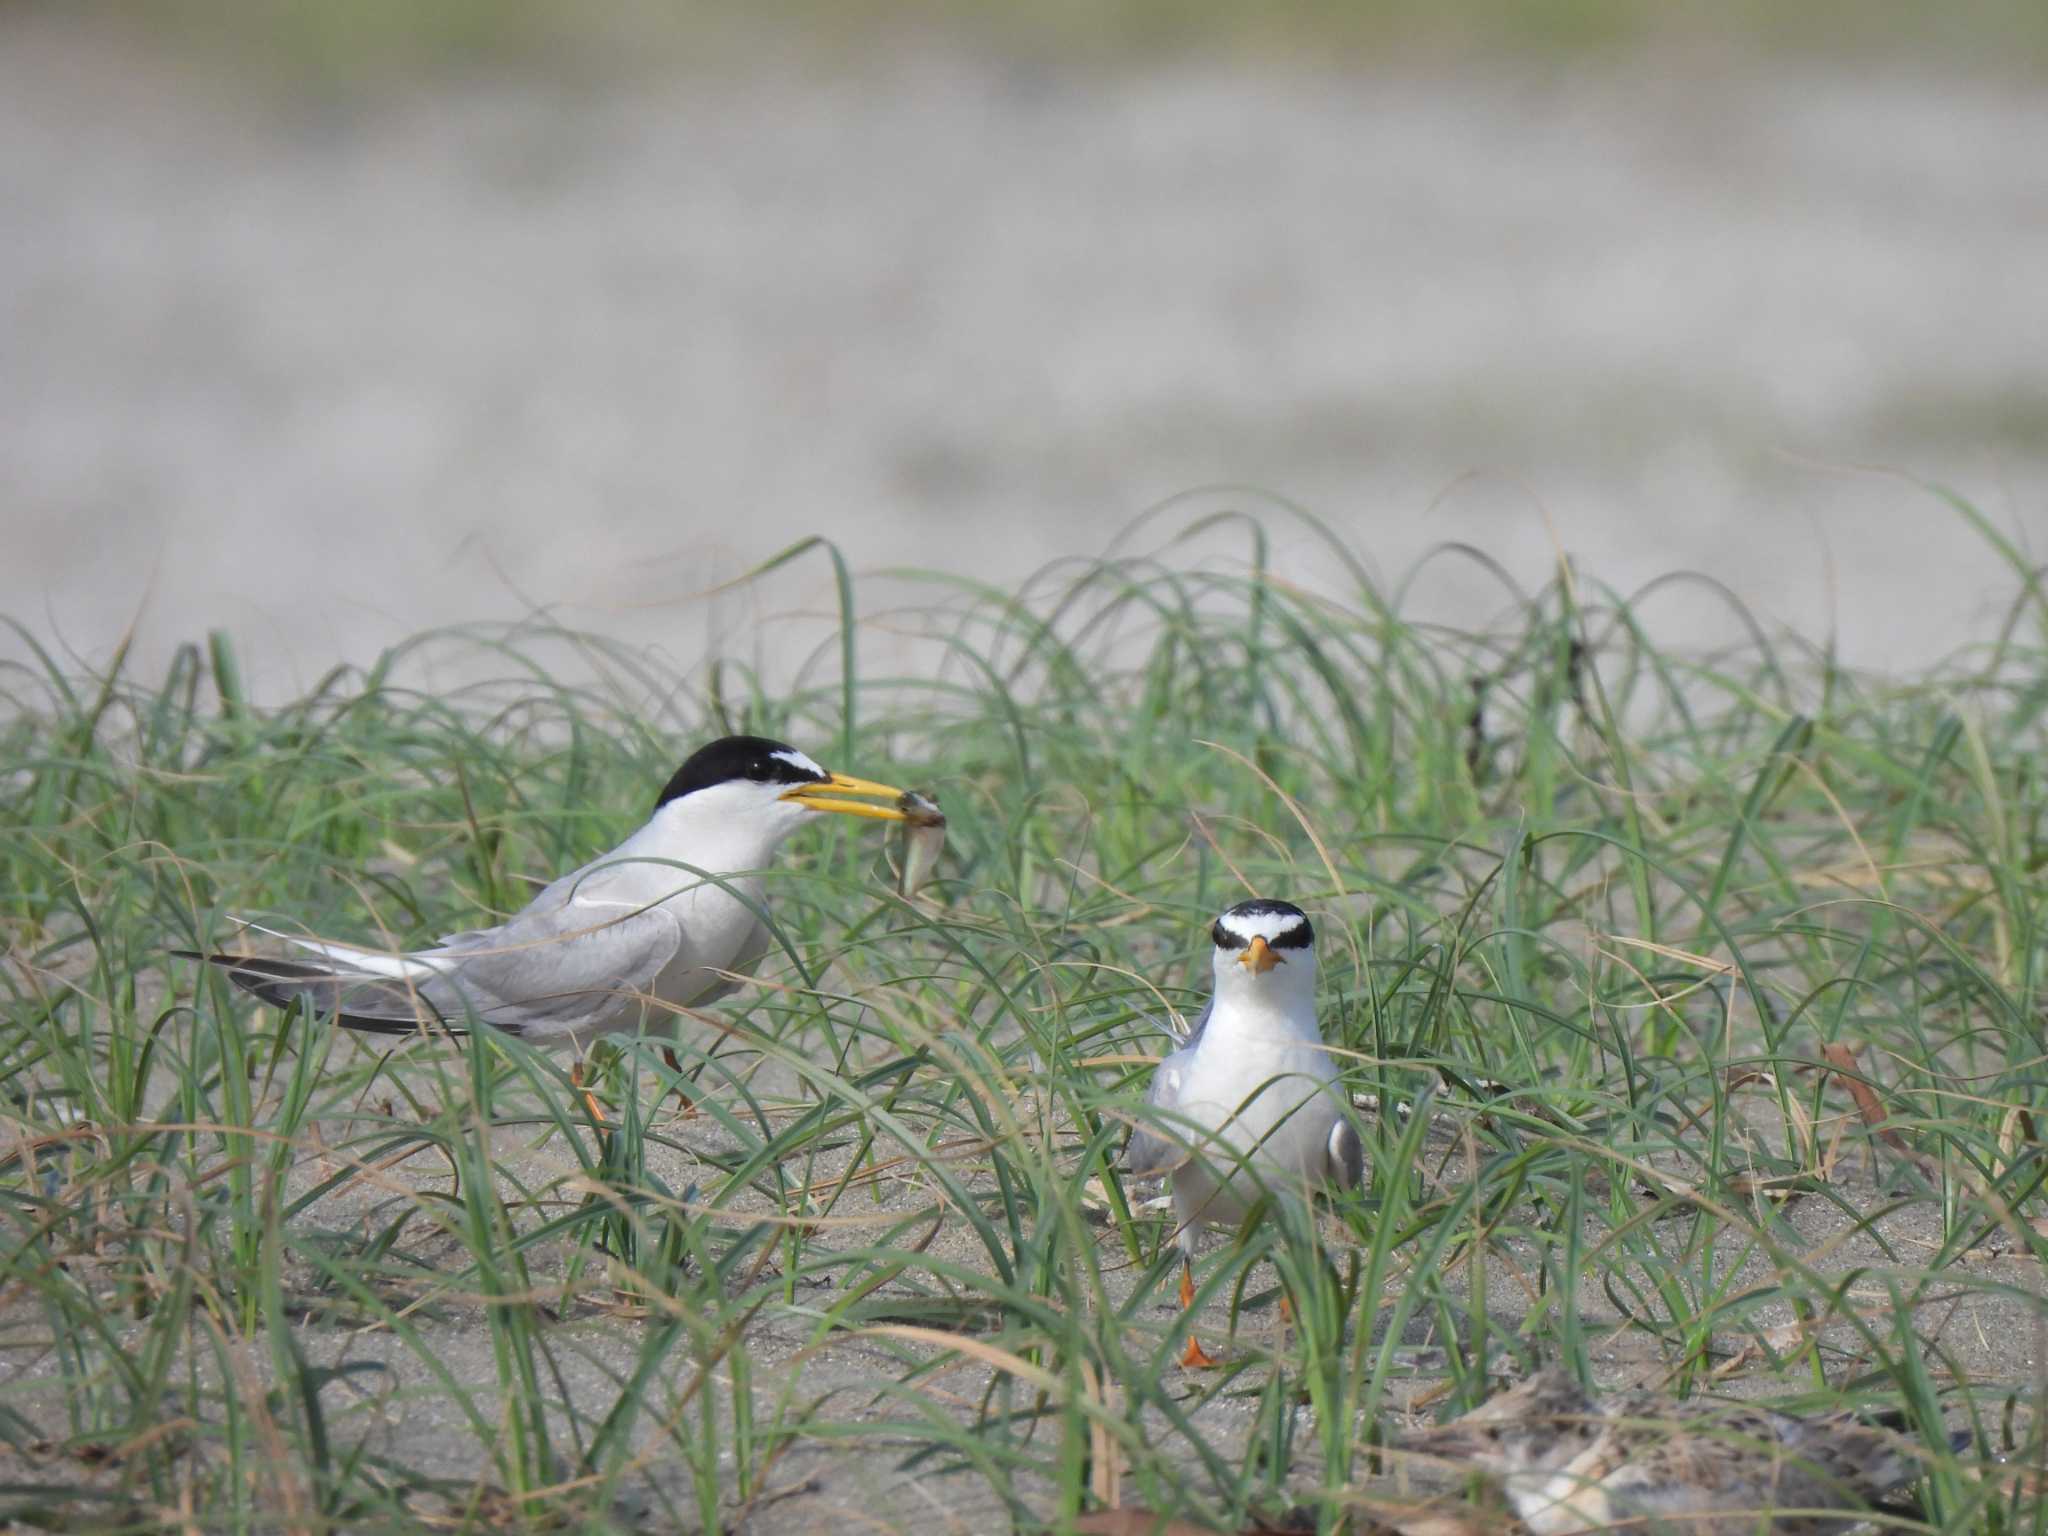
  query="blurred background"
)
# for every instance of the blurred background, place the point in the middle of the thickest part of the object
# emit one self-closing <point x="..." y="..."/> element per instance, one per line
<point x="327" y="323"/>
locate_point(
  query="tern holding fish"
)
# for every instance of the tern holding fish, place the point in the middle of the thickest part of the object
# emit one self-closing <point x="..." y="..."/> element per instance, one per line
<point x="660" y="924"/>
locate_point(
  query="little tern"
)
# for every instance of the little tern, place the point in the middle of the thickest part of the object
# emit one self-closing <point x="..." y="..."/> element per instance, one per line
<point x="1250" y="1105"/>
<point x="660" y="924"/>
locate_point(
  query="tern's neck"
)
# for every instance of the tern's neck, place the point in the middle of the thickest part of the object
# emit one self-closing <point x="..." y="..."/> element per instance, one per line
<point x="1257" y="1011"/>
<point x="709" y="838"/>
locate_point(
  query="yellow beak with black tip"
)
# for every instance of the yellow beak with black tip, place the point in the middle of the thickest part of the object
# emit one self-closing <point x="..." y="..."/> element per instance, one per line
<point x="1258" y="957"/>
<point x="845" y="795"/>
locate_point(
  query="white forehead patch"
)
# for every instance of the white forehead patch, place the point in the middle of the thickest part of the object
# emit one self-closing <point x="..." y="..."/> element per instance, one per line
<point x="796" y="759"/>
<point x="1259" y="925"/>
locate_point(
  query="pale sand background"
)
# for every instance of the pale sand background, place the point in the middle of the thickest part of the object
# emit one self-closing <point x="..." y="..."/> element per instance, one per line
<point x="325" y="370"/>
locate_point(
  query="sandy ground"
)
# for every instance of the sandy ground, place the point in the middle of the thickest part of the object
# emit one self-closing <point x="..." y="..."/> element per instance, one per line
<point x="851" y="1466"/>
<point x="327" y="370"/>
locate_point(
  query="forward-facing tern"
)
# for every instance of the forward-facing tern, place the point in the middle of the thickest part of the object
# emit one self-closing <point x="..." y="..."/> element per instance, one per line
<point x="1250" y="1106"/>
<point x="1572" y="1461"/>
<point x="660" y="924"/>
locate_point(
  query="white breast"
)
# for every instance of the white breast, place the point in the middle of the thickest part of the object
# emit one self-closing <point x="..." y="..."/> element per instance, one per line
<point x="1559" y="1503"/>
<point x="719" y="931"/>
<point x="1263" y="1092"/>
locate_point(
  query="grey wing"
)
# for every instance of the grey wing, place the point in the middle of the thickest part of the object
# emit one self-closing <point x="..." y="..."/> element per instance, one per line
<point x="548" y="971"/>
<point x="1346" y="1154"/>
<point x="1846" y="1455"/>
<point x="1201" y="1023"/>
<point x="1684" y="1464"/>
<point x="553" y="969"/>
<point x="549" y="897"/>
<point x="1149" y="1153"/>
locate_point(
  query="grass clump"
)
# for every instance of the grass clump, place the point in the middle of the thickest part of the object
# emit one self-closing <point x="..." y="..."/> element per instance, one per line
<point x="1694" y="1002"/>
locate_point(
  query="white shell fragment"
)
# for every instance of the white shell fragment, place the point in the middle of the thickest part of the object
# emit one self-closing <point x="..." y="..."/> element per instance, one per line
<point x="924" y="834"/>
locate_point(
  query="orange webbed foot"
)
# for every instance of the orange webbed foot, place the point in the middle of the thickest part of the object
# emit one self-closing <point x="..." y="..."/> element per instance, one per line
<point x="1194" y="1357"/>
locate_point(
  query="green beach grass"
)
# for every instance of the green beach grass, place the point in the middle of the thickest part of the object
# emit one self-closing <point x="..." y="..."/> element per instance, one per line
<point x="372" y="40"/>
<point x="1695" y="1002"/>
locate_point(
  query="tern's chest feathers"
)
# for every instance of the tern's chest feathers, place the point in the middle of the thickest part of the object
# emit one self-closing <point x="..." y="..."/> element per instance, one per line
<point x="1264" y="1086"/>
<point x="678" y="866"/>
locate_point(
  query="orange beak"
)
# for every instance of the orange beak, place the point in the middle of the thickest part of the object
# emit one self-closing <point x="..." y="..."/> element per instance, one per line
<point x="1258" y="957"/>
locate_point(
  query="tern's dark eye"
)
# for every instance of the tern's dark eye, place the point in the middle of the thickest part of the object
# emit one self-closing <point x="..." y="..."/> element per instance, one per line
<point x="759" y="771"/>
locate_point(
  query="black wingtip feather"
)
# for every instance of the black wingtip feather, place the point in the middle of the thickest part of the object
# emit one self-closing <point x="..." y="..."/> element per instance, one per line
<point x="260" y="976"/>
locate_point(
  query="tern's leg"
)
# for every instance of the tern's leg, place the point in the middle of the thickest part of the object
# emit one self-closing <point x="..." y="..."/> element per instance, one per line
<point x="1194" y="1357"/>
<point x="589" y="1099"/>
<point x="668" y="1054"/>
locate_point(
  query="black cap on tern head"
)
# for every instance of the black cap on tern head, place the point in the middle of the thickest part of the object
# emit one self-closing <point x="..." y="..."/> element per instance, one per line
<point x="1285" y="924"/>
<point x="752" y="759"/>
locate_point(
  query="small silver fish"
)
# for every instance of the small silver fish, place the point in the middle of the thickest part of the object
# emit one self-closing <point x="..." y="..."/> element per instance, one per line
<point x="924" y="834"/>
